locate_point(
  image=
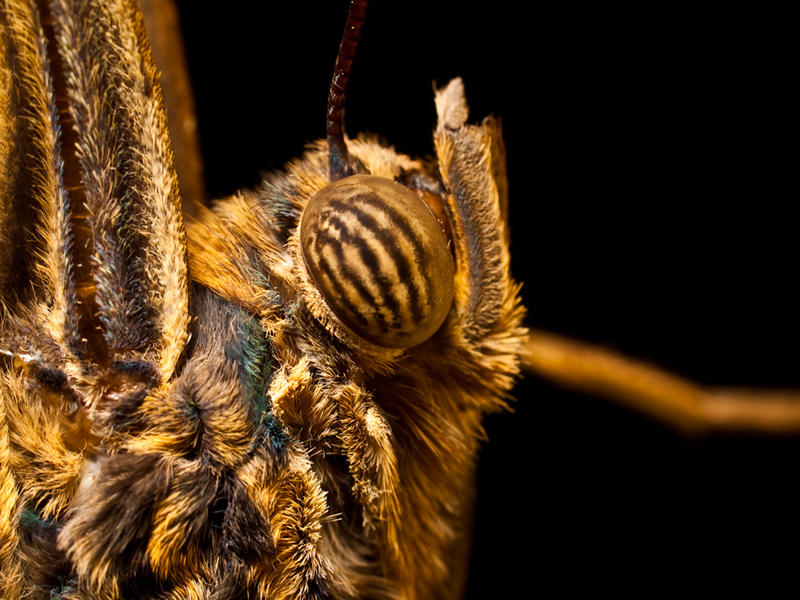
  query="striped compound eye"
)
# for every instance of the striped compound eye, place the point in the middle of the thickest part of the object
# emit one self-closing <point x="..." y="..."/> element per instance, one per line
<point x="379" y="258"/>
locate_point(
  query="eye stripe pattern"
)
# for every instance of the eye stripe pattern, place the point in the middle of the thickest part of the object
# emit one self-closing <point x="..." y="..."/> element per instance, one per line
<point x="350" y="304"/>
<point x="393" y="243"/>
<point x="379" y="258"/>
<point x="355" y="294"/>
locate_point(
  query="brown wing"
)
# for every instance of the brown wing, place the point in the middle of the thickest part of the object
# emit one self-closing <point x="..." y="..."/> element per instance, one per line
<point x="164" y="32"/>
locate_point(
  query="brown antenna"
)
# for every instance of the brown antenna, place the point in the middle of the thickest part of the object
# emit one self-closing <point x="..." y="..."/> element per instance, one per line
<point x="340" y="164"/>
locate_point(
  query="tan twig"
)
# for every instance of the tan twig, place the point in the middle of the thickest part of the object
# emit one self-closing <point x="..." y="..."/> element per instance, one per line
<point x="655" y="392"/>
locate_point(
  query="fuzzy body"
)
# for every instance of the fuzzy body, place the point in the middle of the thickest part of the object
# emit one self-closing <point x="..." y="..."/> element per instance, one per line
<point x="182" y="415"/>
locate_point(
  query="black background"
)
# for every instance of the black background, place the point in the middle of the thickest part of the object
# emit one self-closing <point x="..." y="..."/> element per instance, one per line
<point x="650" y="211"/>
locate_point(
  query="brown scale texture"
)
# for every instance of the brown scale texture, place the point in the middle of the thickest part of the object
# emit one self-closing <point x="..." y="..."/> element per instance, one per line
<point x="221" y="434"/>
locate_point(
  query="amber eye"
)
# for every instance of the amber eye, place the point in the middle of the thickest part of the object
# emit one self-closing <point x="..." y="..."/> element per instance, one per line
<point x="379" y="258"/>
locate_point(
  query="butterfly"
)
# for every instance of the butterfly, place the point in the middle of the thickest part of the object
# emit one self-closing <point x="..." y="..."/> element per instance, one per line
<point x="229" y="407"/>
<point x="125" y="582"/>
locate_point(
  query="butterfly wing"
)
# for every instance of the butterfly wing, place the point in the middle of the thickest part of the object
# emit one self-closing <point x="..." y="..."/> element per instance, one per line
<point x="164" y="33"/>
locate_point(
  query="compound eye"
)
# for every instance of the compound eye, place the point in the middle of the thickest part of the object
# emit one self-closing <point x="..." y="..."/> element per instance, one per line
<point x="379" y="258"/>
